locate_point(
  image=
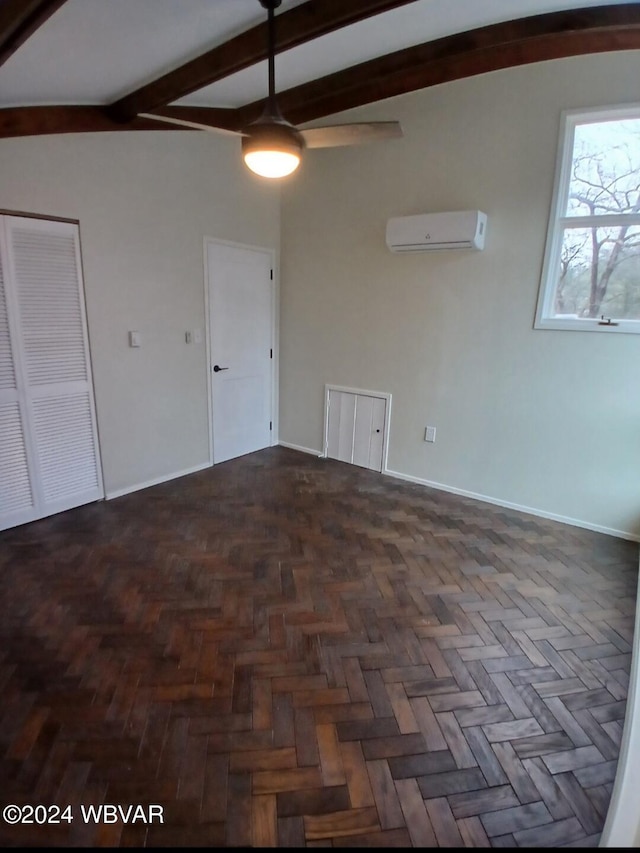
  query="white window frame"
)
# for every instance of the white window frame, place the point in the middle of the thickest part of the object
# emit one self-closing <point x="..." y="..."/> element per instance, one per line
<point x="557" y="221"/>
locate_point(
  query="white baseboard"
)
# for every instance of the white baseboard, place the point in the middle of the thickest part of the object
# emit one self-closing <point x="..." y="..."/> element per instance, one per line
<point x="117" y="493"/>
<point x="301" y="449"/>
<point x="575" y="522"/>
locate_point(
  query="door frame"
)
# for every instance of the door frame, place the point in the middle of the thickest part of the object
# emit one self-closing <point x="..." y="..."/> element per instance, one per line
<point x="275" y="331"/>
<point x="362" y="393"/>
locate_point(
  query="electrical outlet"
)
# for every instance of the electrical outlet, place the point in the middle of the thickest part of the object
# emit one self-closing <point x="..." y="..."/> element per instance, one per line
<point x="430" y="434"/>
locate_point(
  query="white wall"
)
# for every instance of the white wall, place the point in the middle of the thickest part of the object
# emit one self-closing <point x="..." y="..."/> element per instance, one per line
<point x="145" y="202"/>
<point x="546" y="420"/>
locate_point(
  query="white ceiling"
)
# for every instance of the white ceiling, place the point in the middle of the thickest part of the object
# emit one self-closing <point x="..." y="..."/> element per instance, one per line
<point x="96" y="51"/>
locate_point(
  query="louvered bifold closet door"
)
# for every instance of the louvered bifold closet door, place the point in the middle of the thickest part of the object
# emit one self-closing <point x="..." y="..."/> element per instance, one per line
<point x="16" y="495"/>
<point x="47" y="327"/>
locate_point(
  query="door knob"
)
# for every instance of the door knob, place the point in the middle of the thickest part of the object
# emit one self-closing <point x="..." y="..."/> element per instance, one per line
<point x="217" y="368"/>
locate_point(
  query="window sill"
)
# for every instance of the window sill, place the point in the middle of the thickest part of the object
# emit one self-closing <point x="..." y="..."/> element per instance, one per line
<point x="628" y="327"/>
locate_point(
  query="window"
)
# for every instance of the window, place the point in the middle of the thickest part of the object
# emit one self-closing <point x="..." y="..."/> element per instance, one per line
<point x="591" y="272"/>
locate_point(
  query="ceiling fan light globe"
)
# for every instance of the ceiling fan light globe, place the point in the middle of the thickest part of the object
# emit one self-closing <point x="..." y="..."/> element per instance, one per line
<point x="272" y="164"/>
<point x="272" y="149"/>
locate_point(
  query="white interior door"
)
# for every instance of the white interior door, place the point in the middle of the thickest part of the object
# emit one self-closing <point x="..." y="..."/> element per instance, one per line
<point x="49" y="456"/>
<point x="241" y="348"/>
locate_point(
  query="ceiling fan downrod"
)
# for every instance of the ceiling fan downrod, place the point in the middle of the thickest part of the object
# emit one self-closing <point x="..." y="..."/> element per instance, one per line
<point x="271" y="105"/>
<point x="272" y="146"/>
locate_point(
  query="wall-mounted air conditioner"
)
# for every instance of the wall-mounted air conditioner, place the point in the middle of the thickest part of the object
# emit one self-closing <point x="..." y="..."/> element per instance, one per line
<point x="429" y="232"/>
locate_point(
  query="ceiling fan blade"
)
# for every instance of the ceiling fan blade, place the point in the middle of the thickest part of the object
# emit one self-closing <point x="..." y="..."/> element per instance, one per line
<point x="333" y="136"/>
<point x="194" y="125"/>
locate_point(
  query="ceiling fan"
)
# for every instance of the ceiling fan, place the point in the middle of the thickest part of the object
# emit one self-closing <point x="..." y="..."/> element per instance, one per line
<point x="272" y="146"/>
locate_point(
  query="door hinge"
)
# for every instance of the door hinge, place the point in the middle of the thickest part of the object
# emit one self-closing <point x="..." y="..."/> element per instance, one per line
<point x="270" y="426"/>
<point x="270" y="353"/>
<point x="271" y="272"/>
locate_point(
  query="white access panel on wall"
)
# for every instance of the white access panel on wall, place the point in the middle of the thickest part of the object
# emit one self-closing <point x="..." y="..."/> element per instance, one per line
<point x="357" y="426"/>
<point x="49" y="456"/>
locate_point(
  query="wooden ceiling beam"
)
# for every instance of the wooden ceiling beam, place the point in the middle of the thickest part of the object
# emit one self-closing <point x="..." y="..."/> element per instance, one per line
<point x="538" y="38"/>
<point x="19" y="19"/>
<point x="308" y="21"/>
<point x="39" y="121"/>
<point x="542" y="37"/>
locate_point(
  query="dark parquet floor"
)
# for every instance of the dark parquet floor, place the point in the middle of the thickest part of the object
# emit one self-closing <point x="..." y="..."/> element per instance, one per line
<point x="286" y="651"/>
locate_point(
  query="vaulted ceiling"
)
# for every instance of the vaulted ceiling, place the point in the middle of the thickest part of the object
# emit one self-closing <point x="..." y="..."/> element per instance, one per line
<point x="93" y="65"/>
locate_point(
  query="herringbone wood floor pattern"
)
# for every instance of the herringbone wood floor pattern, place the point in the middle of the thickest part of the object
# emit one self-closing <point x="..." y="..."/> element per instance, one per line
<point x="286" y="651"/>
